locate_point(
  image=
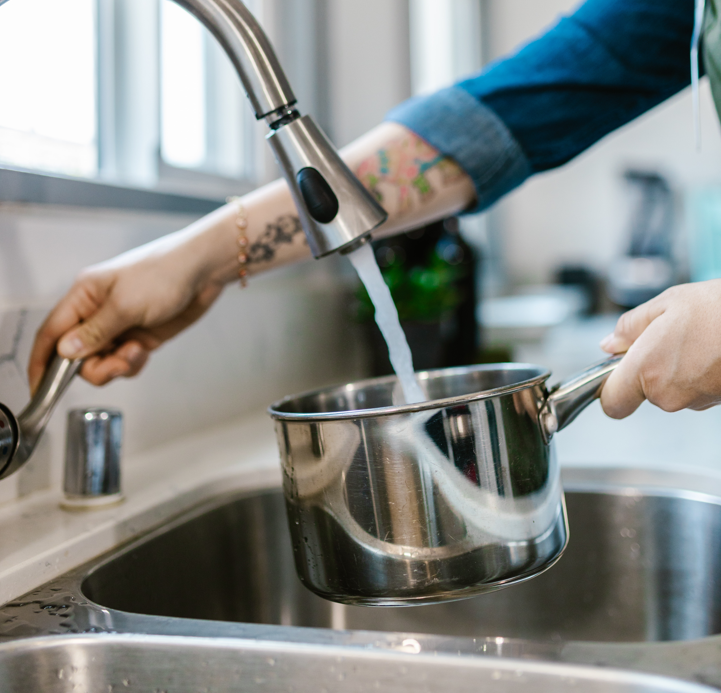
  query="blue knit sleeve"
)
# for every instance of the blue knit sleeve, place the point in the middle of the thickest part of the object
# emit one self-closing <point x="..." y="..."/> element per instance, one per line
<point x="589" y="74"/>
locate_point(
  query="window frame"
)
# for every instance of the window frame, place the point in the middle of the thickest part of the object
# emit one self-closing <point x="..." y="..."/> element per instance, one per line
<point x="128" y="139"/>
<point x="129" y="109"/>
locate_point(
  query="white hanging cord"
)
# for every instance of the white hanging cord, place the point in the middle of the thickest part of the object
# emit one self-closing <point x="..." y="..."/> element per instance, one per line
<point x="695" y="43"/>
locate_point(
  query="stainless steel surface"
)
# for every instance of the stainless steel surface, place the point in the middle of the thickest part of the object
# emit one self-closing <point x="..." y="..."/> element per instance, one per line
<point x="642" y="566"/>
<point x="19" y="435"/>
<point x="92" y="455"/>
<point x="301" y="145"/>
<point x="566" y="401"/>
<point x="441" y="500"/>
<point x="189" y="665"/>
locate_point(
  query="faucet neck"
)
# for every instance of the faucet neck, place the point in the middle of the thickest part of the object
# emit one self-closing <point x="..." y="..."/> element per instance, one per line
<point x="252" y="54"/>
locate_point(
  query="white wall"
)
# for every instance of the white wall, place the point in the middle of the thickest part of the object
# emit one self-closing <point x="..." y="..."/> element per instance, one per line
<point x="287" y="332"/>
<point x="578" y="213"/>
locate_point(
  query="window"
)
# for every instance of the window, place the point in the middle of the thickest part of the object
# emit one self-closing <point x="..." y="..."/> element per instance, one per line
<point x="204" y="114"/>
<point x="445" y="42"/>
<point x="47" y="86"/>
<point x="135" y="92"/>
<point x="182" y="82"/>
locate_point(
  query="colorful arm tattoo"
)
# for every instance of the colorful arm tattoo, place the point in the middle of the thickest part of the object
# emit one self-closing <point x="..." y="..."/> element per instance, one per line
<point x="404" y="164"/>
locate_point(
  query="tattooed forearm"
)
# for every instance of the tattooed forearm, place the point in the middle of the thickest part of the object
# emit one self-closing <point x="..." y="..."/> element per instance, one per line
<point x="401" y="170"/>
<point x="283" y="231"/>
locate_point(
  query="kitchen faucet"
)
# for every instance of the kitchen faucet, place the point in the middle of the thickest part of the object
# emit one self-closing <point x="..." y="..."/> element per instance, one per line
<point x="336" y="211"/>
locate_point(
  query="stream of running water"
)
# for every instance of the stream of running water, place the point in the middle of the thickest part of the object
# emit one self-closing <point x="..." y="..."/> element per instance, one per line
<point x="386" y="315"/>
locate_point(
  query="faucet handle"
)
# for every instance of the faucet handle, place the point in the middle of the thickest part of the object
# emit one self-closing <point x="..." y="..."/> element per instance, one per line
<point x="19" y="435"/>
<point x="57" y="377"/>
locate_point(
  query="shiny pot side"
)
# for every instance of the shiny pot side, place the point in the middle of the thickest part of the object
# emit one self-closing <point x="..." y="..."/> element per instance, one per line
<point x="404" y="505"/>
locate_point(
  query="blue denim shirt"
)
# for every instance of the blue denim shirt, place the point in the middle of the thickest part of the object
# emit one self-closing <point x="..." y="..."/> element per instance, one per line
<point x="595" y="70"/>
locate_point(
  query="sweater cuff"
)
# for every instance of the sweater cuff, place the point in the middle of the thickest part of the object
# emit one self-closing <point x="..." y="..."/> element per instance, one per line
<point x="461" y="127"/>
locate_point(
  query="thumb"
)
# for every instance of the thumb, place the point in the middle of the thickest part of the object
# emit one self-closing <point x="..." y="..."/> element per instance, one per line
<point x="94" y="334"/>
<point x="632" y="325"/>
<point x="623" y="392"/>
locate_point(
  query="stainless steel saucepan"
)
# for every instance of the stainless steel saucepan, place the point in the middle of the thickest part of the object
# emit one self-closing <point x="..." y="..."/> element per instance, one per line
<point x="459" y="495"/>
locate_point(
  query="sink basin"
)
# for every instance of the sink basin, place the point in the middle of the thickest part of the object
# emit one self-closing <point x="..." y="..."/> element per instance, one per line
<point x="640" y="567"/>
<point x="214" y="592"/>
<point x="195" y="665"/>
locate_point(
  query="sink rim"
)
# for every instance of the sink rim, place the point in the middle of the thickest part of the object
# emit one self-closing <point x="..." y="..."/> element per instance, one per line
<point x="570" y="674"/>
<point x="696" y="661"/>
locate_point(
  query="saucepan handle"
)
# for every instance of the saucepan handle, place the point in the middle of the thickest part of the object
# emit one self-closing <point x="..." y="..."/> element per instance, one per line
<point x="567" y="400"/>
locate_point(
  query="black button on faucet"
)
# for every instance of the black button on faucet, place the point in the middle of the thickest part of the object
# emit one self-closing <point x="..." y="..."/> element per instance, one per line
<point x="319" y="197"/>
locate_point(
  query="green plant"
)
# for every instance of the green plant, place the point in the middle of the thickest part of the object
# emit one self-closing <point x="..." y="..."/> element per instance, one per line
<point x="421" y="293"/>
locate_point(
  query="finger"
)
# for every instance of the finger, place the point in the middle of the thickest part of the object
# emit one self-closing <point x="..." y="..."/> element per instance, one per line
<point x="631" y="325"/>
<point x="80" y="302"/>
<point x="623" y="392"/>
<point x="95" y="333"/>
<point x="126" y="361"/>
<point x="134" y="354"/>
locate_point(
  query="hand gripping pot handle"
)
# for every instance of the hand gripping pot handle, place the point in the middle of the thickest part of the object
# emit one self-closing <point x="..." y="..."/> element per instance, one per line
<point x="567" y="400"/>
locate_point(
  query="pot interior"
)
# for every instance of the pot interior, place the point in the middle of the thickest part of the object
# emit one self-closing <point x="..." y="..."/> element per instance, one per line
<point x="439" y="386"/>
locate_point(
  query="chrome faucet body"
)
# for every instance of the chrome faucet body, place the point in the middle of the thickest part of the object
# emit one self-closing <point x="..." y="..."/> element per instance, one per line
<point x="336" y="211"/>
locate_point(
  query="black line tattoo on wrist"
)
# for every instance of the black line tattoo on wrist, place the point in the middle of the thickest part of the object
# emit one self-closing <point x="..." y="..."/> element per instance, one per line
<point x="281" y="232"/>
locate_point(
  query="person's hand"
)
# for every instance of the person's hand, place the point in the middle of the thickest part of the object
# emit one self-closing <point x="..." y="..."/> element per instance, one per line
<point x="674" y="352"/>
<point x="118" y="311"/>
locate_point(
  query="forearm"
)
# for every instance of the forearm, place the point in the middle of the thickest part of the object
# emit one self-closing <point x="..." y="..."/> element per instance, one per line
<point x="118" y="311"/>
<point x="409" y="178"/>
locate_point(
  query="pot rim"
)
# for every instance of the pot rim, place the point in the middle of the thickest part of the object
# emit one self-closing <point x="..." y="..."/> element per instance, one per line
<point x="543" y="375"/>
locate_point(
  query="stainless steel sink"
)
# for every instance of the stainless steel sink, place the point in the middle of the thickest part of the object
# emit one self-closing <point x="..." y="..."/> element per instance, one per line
<point x="194" y="665"/>
<point x="638" y="589"/>
<point x="638" y="568"/>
